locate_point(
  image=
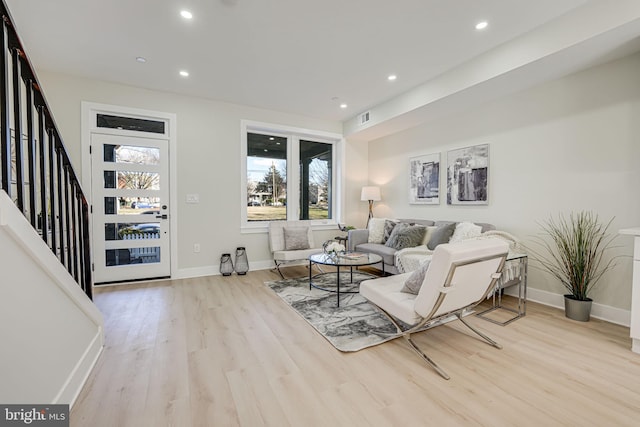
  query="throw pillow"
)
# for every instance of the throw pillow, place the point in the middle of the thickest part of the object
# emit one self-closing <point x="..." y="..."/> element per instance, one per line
<point x="428" y="234"/>
<point x="406" y="236"/>
<point x="388" y="229"/>
<point x="296" y="238"/>
<point x="376" y="230"/>
<point x="465" y="230"/>
<point x="414" y="282"/>
<point x="442" y="234"/>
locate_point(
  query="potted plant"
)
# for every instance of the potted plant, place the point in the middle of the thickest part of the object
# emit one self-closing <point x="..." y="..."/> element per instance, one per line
<point x="574" y="250"/>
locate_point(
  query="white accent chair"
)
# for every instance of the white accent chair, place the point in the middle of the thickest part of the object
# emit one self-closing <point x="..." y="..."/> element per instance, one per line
<point x="460" y="276"/>
<point x="278" y="245"/>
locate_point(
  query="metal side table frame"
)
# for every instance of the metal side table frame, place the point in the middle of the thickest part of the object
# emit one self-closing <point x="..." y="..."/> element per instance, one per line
<point x="521" y="311"/>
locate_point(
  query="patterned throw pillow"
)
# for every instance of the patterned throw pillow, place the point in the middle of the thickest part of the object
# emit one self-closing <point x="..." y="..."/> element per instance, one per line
<point x="414" y="282"/>
<point x="406" y="236"/>
<point x="388" y="229"/>
<point x="376" y="230"/>
<point x="296" y="238"/>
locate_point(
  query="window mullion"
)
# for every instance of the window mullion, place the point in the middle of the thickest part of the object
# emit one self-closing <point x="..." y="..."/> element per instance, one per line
<point x="293" y="178"/>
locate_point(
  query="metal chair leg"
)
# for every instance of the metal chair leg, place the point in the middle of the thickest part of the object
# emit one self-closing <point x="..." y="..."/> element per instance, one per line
<point x="278" y="268"/>
<point x="426" y="358"/>
<point x="486" y="338"/>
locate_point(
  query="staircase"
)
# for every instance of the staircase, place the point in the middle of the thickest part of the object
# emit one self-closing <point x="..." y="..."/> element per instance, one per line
<point x="50" y="330"/>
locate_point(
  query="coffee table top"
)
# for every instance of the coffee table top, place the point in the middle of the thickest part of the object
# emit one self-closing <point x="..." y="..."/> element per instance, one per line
<point x="348" y="259"/>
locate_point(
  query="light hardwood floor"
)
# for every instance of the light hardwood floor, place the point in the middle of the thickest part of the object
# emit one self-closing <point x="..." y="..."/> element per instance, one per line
<point x="226" y="351"/>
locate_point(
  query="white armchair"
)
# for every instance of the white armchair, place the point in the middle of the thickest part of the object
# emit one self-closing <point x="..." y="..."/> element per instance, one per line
<point x="291" y="242"/>
<point x="459" y="277"/>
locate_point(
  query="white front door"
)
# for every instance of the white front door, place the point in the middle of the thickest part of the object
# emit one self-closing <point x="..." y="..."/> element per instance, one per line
<point x="130" y="198"/>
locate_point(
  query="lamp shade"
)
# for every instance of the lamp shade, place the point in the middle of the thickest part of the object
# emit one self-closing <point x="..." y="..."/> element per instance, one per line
<point x="370" y="193"/>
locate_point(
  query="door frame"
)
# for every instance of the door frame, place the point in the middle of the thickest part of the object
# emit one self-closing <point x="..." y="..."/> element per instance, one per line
<point x="89" y="111"/>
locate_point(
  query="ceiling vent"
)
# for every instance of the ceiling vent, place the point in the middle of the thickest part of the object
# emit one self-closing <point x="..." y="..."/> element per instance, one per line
<point x="364" y="118"/>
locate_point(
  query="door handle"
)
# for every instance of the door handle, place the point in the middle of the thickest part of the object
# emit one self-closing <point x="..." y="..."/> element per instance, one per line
<point x="162" y="216"/>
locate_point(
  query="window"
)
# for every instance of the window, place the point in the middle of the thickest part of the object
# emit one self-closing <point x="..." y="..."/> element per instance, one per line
<point x="289" y="174"/>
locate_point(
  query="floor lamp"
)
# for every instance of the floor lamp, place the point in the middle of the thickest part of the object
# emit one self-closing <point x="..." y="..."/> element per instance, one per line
<point x="371" y="194"/>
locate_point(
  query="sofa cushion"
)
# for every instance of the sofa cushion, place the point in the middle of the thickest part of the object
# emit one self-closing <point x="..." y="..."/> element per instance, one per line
<point x="406" y="236"/>
<point x="386" y="292"/>
<point x="387" y="253"/>
<point x="376" y="230"/>
<point x="425" y="222"/>
<point x="441" y="235"/>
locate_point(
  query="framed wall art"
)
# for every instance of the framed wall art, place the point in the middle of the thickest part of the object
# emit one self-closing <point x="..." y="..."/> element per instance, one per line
<point x="424" y="179"/>
<point x="467" y="175"/>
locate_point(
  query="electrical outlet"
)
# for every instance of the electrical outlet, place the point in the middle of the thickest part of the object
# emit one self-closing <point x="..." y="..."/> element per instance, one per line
<point x="193" y="198"/>
<point x="196" y="247"/>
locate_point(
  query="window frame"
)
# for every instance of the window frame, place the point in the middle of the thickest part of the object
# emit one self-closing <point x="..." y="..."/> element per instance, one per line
<point x="293" y="135"/>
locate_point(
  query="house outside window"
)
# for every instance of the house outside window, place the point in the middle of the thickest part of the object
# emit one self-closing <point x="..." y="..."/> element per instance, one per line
<point x="289" y="174"/>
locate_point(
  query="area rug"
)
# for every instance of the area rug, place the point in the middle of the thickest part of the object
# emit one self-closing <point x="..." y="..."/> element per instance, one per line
<point x="355" y="325"/>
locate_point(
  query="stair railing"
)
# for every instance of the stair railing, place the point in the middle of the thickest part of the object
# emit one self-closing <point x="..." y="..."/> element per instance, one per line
<point x="36" y="171"/>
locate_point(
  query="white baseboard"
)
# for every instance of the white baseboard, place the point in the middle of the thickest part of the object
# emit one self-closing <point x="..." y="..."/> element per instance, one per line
<point x="73" y="386"/>
<point x="598" y="311"/>
<point x="214" y="270"/>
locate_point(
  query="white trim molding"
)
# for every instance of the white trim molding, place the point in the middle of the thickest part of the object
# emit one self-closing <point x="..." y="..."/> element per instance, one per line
<point x="598" y="311"/>
<point x="89" y="112"/>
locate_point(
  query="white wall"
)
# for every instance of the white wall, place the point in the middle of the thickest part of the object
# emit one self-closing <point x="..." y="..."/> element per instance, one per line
<point x="51" y="334"/>
<point x="569" y="144"/>
<point x="208" y="161"/>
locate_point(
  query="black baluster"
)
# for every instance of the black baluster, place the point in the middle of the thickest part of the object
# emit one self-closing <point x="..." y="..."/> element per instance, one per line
<point x="87" y="281"/>
<point x="43" y="177"/>
<point x="52" y="191"/>
<point x="60" y="197"/>
<point x="17" y="129"/>
<point x="32" y="159"/>
<point x="5" y="126"/>
<point x="68" y="212"/>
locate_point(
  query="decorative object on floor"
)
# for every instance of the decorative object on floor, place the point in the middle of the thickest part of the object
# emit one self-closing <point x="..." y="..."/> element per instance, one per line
<point x="370" y="194"/>
<point x="573" y="250"/>
<point x="459" y="277"/>
<point x="467" y="175"/>
<point x="242" y="263"/>
<point x="424" y="179"/>
<point x="226" y="265"/>
<point x="355" y="325"/>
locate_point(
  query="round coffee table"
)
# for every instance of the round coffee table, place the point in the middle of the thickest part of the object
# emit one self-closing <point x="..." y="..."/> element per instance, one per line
<point x="349" y="259"/>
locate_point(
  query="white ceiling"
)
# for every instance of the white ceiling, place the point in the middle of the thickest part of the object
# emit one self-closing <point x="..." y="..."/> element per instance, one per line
<point x="297" y="56"/>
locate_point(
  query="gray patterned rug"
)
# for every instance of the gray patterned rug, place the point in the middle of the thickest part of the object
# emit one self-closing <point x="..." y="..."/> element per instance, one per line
<point x="355" y="325"/>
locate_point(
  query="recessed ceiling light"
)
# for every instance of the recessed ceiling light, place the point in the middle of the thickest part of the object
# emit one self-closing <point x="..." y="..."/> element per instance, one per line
<point x="186" y="14"/>
<point x="482" y="25"/>
<point x="184" y="73"/>
<point x="343" y="105"/>
<point x="141" y="59"/>
<point x="271" y="138"/>
<point x="392" y="77"/>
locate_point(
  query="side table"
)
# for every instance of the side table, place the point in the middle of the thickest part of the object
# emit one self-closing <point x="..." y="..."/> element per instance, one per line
<point x="522" y="294"/>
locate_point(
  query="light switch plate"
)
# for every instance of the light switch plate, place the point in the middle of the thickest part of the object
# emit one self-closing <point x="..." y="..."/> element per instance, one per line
<point x="193" y="198"/>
